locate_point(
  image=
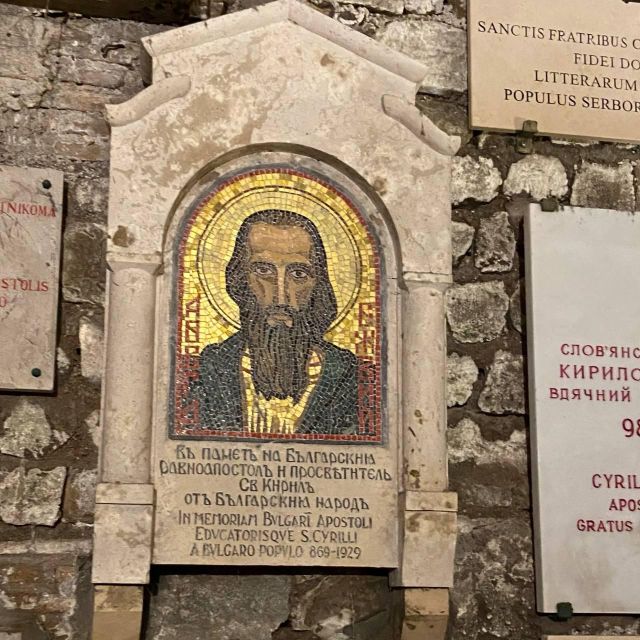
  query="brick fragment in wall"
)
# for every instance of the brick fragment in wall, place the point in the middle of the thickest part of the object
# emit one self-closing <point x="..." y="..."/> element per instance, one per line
<point x="441" y="47"/>
<point x="242" y="607"/>
<point x="82" y="278"/>
<point x="604" y="187"/>
<point x="25" y="75"/>
<point x="495" y="244"/>
<point x="27" y="431"/>
<point x="91" y="350"/>
<point x="422" y="7"/>
<point x="461" y="239"/>
<point x="462" y="374"/>
<point x="493" y="597"/>
<point x="31" y="497"/>
<point x="515" y="309"/>
<point x="62" y="361"/>
<point x="99" y="40"/>
<point x="503" y="391"/>
<point x="45" y="595"/>
<point x="34" y="134"/>
<point x="466" y="444"/>
<point x="476" y="312"/>
<point x="539" y="176"/>
<point x="95" y="73"/>
<point x="474" y="179"/>
<point x="205" y="9"/>
<point x="92" y="421"/>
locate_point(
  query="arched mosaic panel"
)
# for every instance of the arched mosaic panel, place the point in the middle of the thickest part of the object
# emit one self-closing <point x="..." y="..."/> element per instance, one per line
<point x="277" y="303"/>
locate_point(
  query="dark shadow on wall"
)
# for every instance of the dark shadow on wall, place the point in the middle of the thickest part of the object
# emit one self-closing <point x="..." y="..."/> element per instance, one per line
<point x="202" y="603"/>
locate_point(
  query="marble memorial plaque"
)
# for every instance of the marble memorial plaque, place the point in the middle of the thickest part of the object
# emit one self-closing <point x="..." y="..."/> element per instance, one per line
<point x="30" y="227"/>
<point x="583" y="277"/>
<point x="277" y="450"/>
<point x="571" y="66"/>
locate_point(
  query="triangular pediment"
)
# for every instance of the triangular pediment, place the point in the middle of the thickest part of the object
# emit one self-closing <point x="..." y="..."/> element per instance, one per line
<point x="306" y="18"/>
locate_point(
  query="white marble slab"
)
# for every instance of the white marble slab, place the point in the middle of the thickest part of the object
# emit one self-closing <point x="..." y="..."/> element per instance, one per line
<point x="583" y="315"/>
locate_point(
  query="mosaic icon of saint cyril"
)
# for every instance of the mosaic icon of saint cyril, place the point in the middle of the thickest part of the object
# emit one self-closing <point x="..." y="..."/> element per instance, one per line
<point x="278" y="374"/>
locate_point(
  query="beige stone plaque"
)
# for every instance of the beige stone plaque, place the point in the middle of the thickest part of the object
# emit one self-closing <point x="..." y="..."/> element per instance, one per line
<point x="275" y="351"/>
<point x="277" y="448"/>
<point x="571" y="66"/>
<point x="30" y="225"/>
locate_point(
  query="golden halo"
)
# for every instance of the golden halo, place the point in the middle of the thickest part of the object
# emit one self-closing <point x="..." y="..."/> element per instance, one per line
<point x="223" y="212"/>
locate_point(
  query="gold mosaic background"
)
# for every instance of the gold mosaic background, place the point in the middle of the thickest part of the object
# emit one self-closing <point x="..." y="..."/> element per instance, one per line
<point x="209" y="244"/>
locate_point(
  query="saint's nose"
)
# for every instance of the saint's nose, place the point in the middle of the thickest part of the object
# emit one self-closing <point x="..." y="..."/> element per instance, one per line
<point x="281" y="293"/>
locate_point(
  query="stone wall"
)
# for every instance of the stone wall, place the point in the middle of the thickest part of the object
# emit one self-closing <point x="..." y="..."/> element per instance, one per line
<point x="55" y="74"/>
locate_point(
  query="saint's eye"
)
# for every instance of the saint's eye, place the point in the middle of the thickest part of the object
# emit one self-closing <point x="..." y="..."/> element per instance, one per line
<point x="262" y="269"/>
<point x="299" y="273"/>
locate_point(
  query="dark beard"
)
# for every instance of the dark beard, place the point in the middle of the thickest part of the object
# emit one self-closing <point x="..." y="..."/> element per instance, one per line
<point x="279" y="354"/>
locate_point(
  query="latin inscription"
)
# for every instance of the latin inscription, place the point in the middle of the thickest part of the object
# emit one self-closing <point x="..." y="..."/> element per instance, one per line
<point x="272" y="507"/>
<point x="572" y="70"/>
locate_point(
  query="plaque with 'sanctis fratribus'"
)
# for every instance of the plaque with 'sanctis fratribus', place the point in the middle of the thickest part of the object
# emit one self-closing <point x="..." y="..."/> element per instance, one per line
<point x="571" y="67"/>
<point x="277" y="449"/>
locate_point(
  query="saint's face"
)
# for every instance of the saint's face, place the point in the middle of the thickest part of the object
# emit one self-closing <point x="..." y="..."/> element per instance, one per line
<point x="281" y="273"/>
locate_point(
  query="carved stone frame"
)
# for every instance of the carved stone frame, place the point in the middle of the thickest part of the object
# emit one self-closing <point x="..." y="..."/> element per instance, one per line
<point x="165" y="141"/>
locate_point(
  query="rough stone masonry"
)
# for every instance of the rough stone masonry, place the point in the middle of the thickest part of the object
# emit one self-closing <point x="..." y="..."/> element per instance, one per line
<point x="56" y="72"/>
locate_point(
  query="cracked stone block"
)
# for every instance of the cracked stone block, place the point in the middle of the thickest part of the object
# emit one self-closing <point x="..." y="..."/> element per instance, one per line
<point x="539" y="176"/>
<point x="80" y="496"/>
<point x="496" y="244"/>
<point x="91" y="350"/>
<point x="504" y="390"/>
<point x="422" y="7"/>
<point x="465" y="443"/>
<point x="386" y="6"/>
<point x="95" y="73"/>
<point x="451" y="118"/>
<point x="238" y="607"/>
<point x="604" y="187"/>
<point x="83" y="280"/>
<point x="476" y="312"/>
<point x="27" y="430"/>
<point x="344" y="606"/>
<point x="439" y="46"/>
<point x="32" y="497"/>
<point x="494" y="576"/>
<point x="461" y="239"/>
<point x="351" y="15"/>
<point x="25" y="75"/>
<point x="462" y="374"/>
<point x="474" y="179"/>
<point x="515" y="309"/>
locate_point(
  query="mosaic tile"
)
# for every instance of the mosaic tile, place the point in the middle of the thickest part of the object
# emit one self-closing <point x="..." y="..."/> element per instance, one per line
<point x="278" y="316"/>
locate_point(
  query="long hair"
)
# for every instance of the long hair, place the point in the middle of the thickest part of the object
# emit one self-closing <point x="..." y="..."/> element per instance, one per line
<point x="322" y="307"/>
